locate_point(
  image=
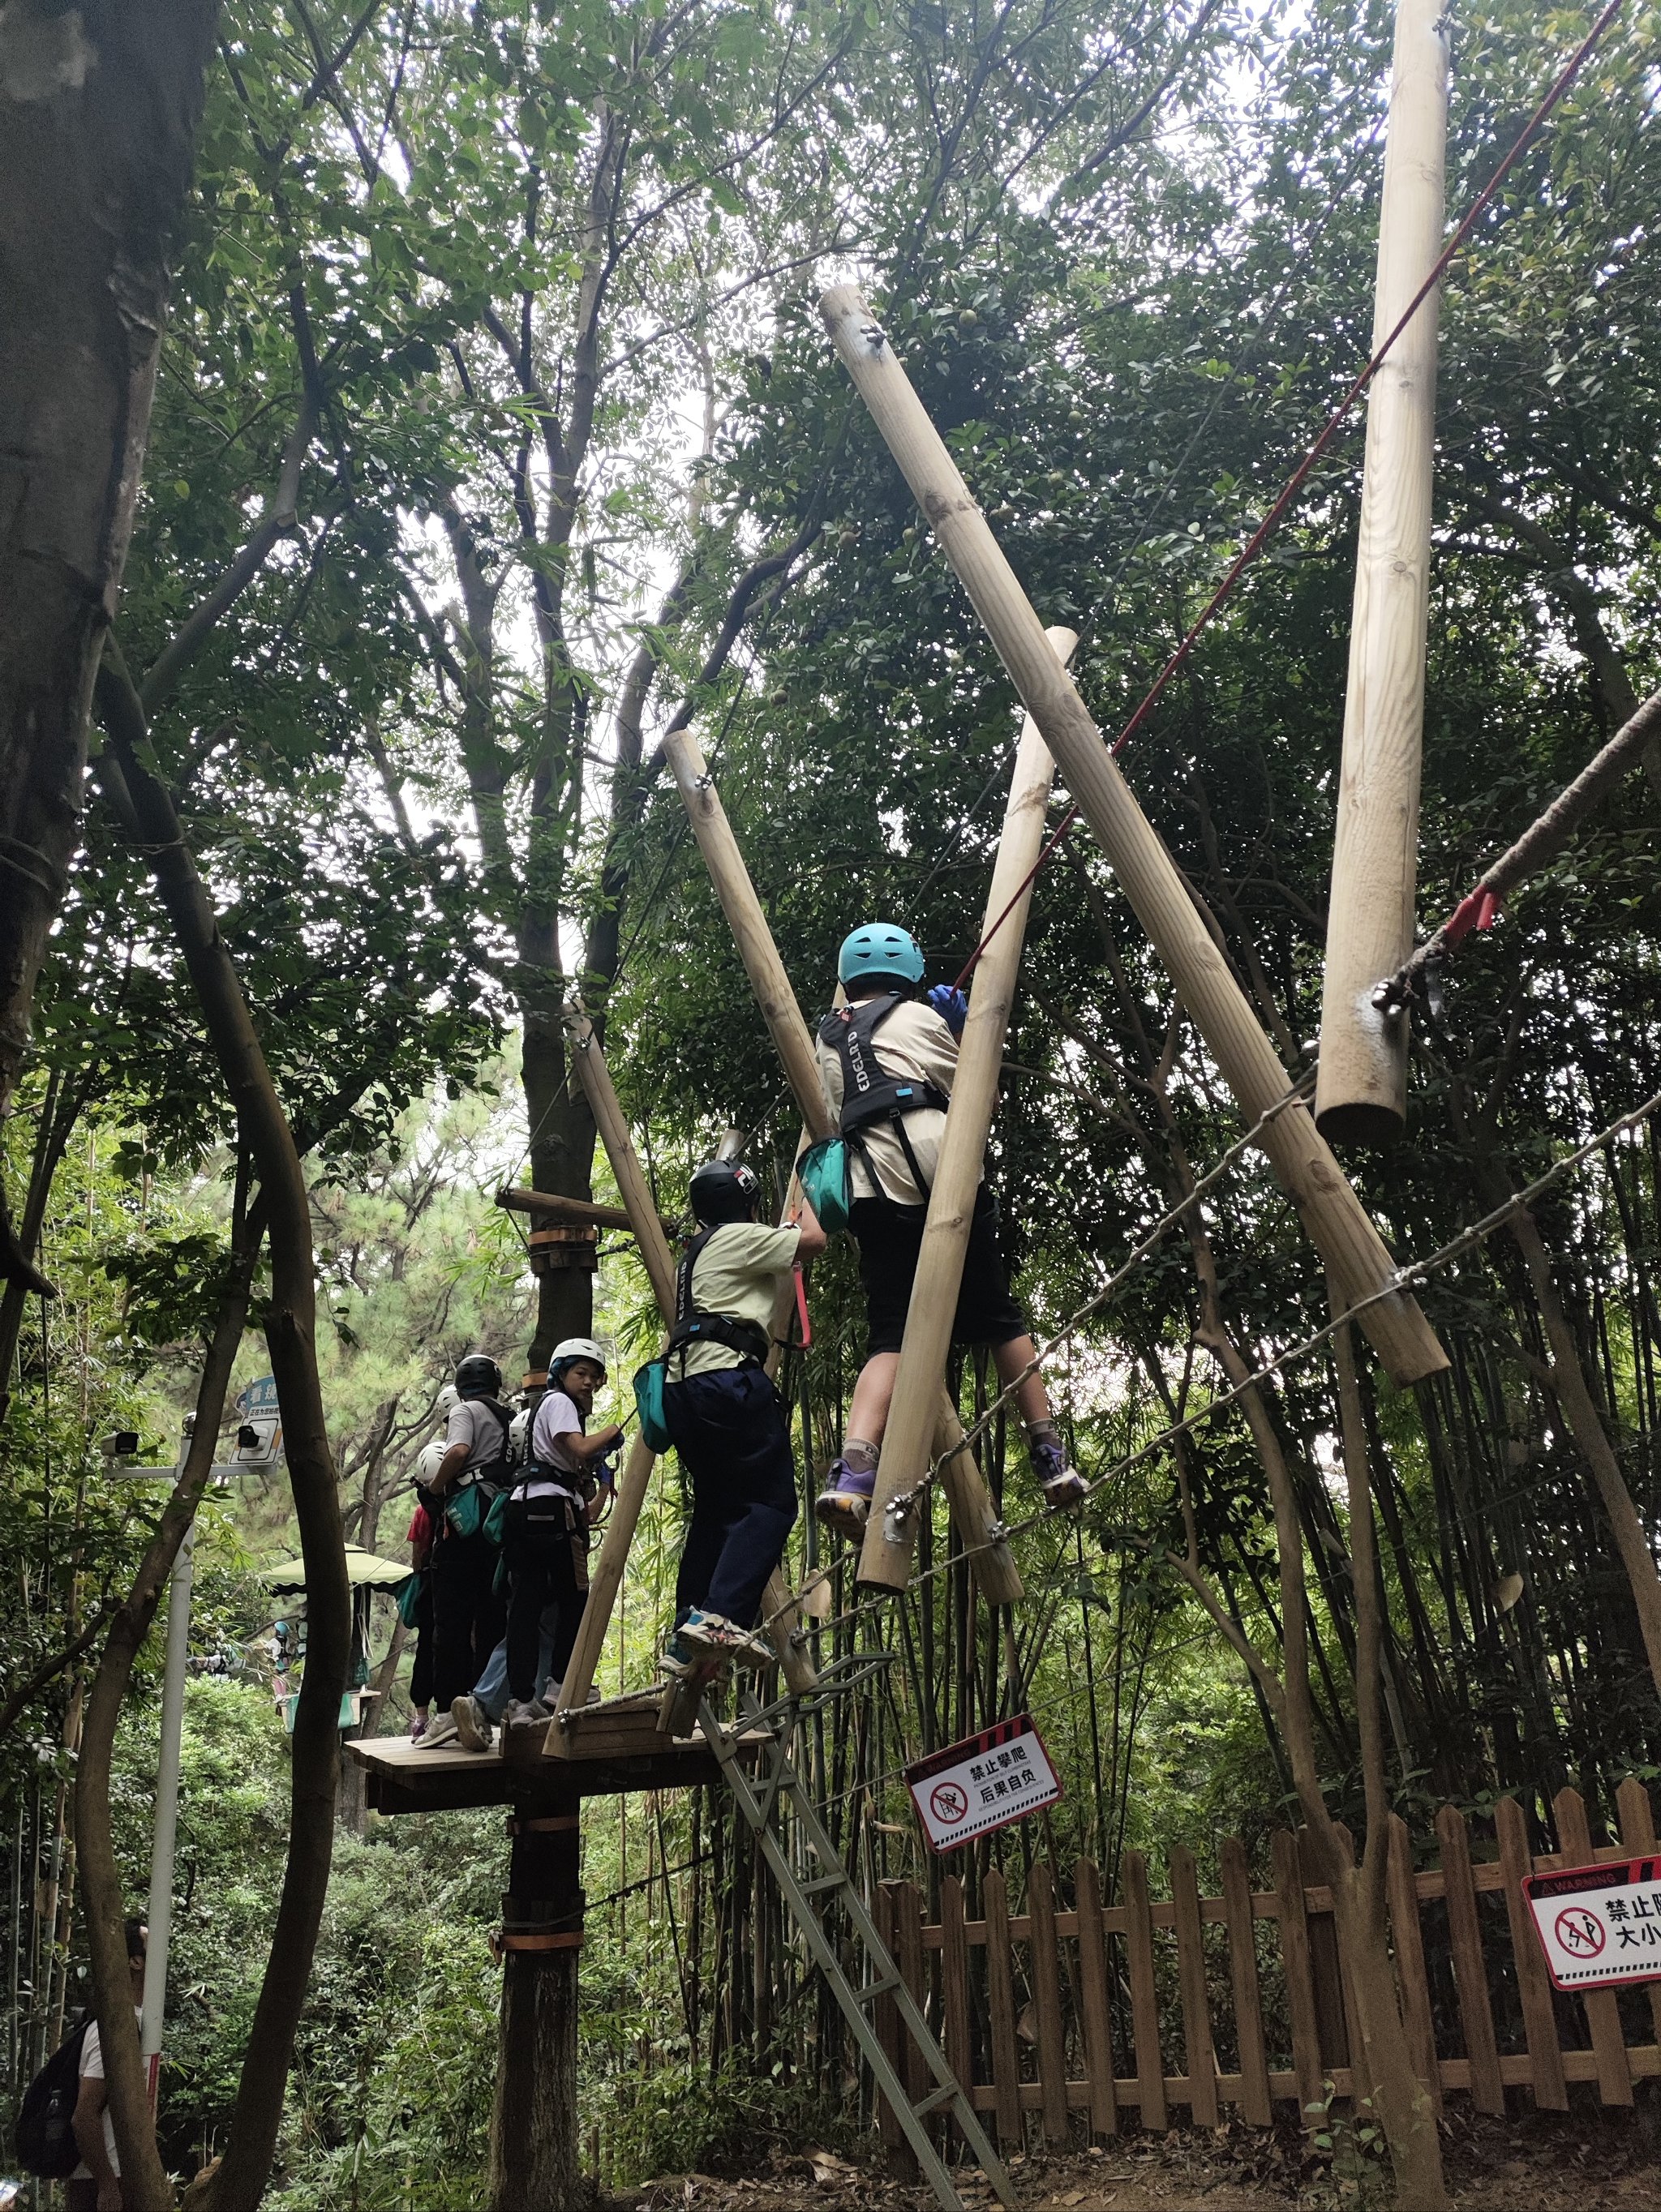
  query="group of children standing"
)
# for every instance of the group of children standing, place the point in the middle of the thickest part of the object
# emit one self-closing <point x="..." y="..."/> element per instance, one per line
<point x="886" y="1060"/>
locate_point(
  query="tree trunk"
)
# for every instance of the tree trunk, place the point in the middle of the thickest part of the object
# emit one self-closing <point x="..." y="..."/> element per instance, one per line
<point x="99" y="107"/>
<point x="533" y="2125"/>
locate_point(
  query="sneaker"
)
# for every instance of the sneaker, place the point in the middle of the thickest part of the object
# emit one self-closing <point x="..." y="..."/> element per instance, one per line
<point x="472" y="1723"/>
<point x="526" y="1712"/>
<point x="417" y="1727"/>
<point x="441" y="1735"/>
<point x="553" y="1697"/>
<point x="844" y="1504"/>
<point x="680" y="1662"/>
<point x="712" y="1635"/>
<point x="1064" y="1492"/>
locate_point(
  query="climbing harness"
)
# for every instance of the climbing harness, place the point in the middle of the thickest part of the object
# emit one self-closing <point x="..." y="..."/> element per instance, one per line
<point x="870" y="1092"/>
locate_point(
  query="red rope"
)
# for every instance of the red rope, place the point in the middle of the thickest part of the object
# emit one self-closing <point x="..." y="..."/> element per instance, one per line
<point x="1265" y="529"/>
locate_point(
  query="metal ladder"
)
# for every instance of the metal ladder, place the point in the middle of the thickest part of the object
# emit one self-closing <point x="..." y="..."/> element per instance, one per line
<point x="769" y="1729"/>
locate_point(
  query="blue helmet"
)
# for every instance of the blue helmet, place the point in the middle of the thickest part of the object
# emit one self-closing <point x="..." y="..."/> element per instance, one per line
<point x="880" y="948"/>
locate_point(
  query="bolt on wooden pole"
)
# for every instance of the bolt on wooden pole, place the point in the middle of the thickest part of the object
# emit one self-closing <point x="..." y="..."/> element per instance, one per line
<point x="1360" y="1095"/>
<point x="1333" y="1216"/>
<point x="605" y="1577"/>
<point x="890" y="1536"/>
<point x="751" y="933"/>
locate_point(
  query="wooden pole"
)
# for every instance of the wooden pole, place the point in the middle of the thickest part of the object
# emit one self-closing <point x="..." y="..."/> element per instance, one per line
<point x="1331" y="1213"/>
<point x="1360" y="1095"/>
<point x="549" y="1206"/>
<point x="535" y="2141"/>
<point x="748" y="923"/>
<point x="891" y="1537"/>
<point x="605" y="1577"/>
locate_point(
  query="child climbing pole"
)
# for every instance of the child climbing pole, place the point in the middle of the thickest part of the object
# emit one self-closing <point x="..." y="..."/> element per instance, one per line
<point x="887" y="1063"/>
<point x="724" y="1416"/>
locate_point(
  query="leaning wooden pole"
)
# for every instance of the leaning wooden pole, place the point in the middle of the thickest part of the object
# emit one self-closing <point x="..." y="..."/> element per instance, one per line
<point x="1334" y="1217"/>
<point x="605" y="1576"/>
<point x="1361" y="1094"/>
<point x="891" y="1533"/>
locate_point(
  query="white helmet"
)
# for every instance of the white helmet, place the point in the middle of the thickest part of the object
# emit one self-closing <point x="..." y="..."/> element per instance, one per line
<point x="431" y="1459"/>
<point x="519" y="1438"/>
<point x="449" y="1399"/>
<point x="574" y="1348"/>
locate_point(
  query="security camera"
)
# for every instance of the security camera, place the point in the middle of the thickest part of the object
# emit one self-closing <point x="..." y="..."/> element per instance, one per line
<point x="122" y="1445"/>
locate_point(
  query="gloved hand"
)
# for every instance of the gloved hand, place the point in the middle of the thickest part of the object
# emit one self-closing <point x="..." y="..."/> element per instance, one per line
<point x="606" y="1471"/>
<point x="950" y="1005"/>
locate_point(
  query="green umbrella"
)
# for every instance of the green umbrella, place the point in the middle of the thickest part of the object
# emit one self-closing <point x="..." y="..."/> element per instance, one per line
<point x="363" y="1571"/>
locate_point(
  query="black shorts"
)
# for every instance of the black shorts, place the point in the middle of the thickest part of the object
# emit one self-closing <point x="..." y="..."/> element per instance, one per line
<point x="890" y="1238"/>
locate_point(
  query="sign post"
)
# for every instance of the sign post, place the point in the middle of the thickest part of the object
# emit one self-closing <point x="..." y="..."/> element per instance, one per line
<point x="1599" y="1926"/>
<point x="984" y="1783"/>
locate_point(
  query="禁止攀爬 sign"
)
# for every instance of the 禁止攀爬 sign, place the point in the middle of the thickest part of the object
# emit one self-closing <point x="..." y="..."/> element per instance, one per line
<point x="1599" y="1925"/>
<point x="983" y="1783"/>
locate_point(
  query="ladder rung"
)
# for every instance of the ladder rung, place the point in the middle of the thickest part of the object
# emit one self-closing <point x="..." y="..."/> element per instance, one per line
<point x="822" y="1883"/>
<point x="872" y="1991"/>
<point x="948" y="2095"/>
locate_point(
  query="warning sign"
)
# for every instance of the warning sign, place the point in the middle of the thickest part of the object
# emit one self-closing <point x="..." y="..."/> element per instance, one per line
<point x="1599" y="1924"/>
<point x="968" y="1790"/>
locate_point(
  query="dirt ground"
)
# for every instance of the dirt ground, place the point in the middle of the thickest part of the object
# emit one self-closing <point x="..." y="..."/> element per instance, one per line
<point x="1539" y="2163"/>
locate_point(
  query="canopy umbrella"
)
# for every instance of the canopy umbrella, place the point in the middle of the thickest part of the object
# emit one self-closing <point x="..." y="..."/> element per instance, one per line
<point x="363" y="1571"/>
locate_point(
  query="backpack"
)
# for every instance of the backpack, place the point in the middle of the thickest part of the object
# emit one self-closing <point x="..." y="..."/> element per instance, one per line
<point x="870" y="1092"/>
<point x="44" y="2138"/>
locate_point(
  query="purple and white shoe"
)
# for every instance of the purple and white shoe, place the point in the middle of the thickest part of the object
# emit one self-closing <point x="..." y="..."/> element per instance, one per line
<point x="1064" y="1492"/>
<point x="844" y="1504"/>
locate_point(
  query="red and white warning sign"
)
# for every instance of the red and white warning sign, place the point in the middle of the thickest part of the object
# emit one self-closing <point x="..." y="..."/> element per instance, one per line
<point x="969" y="1789"/>
<point x="1599" y="1924"/>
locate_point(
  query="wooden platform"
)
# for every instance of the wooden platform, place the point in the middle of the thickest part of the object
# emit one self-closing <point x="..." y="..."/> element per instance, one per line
<point x="604" y="1753"/>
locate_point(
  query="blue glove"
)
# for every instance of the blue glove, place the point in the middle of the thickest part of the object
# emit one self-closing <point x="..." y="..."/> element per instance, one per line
<point x="950" y="1004"/>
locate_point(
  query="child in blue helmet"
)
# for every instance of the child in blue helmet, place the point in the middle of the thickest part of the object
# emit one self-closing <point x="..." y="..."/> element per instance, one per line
<point x="887" y="1063"/>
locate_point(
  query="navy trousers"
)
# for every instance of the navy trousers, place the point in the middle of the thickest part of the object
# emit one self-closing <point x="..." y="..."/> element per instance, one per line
<point x="734" y="1437"/>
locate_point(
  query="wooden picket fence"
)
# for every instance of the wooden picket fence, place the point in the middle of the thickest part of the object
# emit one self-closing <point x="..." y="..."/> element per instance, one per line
<point x="1081" y="2011"/>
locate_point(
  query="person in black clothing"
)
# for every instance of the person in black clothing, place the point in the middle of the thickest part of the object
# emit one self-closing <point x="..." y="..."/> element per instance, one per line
<point x="468" y="1614"/>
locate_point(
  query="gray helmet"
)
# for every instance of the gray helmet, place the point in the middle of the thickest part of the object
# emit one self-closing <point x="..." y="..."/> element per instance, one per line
<point x="477" y="1376"/>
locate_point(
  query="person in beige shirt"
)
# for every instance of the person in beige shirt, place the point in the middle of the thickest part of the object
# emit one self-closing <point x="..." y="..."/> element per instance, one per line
<point x="726" y="1419"/>
<point x="887" y="1063"/>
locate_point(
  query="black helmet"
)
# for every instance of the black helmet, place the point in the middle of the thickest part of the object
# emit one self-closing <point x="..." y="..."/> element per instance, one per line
<point x="478" y="1376"/>
<point x="725" y="1190"/>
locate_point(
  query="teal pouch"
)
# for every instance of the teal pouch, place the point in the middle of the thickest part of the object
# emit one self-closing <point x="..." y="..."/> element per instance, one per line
<point x="823" y="1173"/>
<point x="649" y="1403"/>
<point x="408" y="1596"/>
<point x="464" y="1510"/>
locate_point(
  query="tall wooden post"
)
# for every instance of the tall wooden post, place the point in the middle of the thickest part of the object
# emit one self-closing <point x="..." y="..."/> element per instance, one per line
<point x="605" y="1576"/>
<point x="1360" y="1095"/>
<point x="1332" y="1214"/>
<point x="534" y="2137"/>
<point x="891" y="1538"/>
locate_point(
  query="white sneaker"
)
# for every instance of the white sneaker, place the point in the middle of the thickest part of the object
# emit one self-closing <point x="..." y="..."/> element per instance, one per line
<point x="524" y="1712"/>
<point x="553" y="1697"/>
<point x="472" y="1723"/>
<point x="442" y="1735"/>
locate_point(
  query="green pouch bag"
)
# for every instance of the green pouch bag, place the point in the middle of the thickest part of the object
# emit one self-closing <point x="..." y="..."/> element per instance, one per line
<point x="823" y="1173"/>
<point x="496" y="1521"/>
<point x="464" y="1510"/>
<point x="649" y="1403"/>
<point x="408" y="1596"/>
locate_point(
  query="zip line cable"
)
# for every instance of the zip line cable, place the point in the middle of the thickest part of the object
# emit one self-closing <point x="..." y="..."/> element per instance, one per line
<point x="1259" y="537"/>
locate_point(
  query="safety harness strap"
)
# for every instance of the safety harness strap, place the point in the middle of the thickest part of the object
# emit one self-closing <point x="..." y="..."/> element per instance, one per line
<point x="693" y="1326"/>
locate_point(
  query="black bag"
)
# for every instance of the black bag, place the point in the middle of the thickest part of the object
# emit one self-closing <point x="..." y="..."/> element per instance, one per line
<point x="43" y="2138"/>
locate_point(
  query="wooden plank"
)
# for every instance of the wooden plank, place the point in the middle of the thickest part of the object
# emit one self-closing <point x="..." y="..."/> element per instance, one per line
<point x="1637" y="1815"/>
<point x="1248" y="1994"/>
<point x="1412" y="1981"/>
<point x="1469" y="1973"/>
<point x="1352" y="2011"/>
<point x="1326" y="1970"/>
<point x="1533" y="1982"/>
<point x="1191" y="1979"/>
<point x="1097" y="2012"/>
<point x="1307" y="2063"/>
<point x="1609" y="2044"/>
<point x="908" y="1956"/>
<point x="959" y="2038"/>
<point x="1000" y="2009"/>
<point x="1047" y="2000"/>
<point x="1144" y="1993"/>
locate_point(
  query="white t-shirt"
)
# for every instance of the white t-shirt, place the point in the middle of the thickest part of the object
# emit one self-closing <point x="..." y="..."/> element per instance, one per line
<point x="472" y="1422"/>
<point x="92" y="2066"/>
<point x="915" y="1044"/>
<point x="556" y="1417"/>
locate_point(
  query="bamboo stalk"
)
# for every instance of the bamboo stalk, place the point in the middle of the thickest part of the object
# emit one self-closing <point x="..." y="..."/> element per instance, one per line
<point x="1331" y="1213"/>
<point x="891" y="1537"/>
<point x="1361" y="1094"/>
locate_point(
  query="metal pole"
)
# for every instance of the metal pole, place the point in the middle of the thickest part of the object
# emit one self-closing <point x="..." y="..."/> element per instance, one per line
<point x="167" y="1808"/>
